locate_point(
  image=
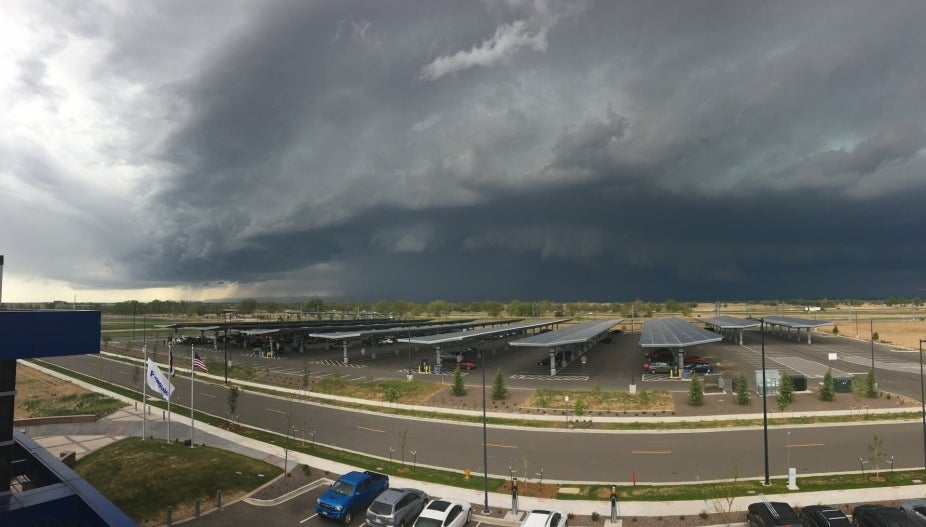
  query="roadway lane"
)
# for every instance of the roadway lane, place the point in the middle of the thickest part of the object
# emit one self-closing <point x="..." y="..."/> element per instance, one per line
<point x="569" y="455"/>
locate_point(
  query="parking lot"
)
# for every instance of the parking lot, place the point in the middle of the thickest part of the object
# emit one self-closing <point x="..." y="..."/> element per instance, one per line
<point x="610" y="365"/>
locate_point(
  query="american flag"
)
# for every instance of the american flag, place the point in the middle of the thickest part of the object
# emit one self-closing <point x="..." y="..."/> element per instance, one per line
<point x="198" y="362"/>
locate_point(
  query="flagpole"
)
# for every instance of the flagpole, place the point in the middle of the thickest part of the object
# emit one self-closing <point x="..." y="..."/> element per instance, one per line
<point x="170" y="393"/>
<point x="144" y="395"/>
<point x="192" y="375"/>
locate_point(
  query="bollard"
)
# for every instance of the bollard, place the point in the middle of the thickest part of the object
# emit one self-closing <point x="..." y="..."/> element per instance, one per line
<point x="514" y="496"/>
<point x="218" y="499"/>
<point x="613" y="503"/>
<point x="169" y="510"/>
<point x="196" y="508"/>
<point x="163" y="415"/>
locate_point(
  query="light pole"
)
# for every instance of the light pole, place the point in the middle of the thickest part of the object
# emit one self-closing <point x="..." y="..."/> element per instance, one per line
<point x="764" y="403"/>
<point x="485" y="442"/>
<point x="226" y="348"/>
<point x="872" y="335"/>
<point x="923" y="400"/>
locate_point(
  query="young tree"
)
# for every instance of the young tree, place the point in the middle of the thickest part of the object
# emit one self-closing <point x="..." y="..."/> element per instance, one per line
<point x="828" y="392"/>
<point x="232" y="400"/>
<point x="499" y="391"/>
<point x="458" y="389"/>
<point x="785" y="392"/>
<point x="579" y="407"/>
<point x="743" y="396"/>
<point x="871" y="386"/>
<point x="876" y="455"/>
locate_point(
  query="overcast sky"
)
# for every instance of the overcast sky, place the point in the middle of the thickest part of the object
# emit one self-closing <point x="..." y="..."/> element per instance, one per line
<point x="421" y="150"/>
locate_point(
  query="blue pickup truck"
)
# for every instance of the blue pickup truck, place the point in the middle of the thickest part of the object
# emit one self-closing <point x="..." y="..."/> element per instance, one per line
<point x="352" y="492"/>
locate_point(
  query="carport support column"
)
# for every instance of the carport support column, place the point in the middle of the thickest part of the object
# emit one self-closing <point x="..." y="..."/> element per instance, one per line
<point x="436" y="356"/>
<point x="739" y="333"/>
<point x="344" y="347"/>
<point x="808" y="336"/>
<point x="552" y="361"/>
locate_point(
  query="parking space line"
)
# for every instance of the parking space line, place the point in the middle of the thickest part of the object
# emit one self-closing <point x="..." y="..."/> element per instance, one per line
<point x="274" y="410"/>
<point x="309" y="518"/>
<point x="650" y="451"/>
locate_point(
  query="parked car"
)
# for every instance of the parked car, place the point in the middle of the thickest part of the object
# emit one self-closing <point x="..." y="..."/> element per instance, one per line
<point x="915" y="510"/>
<point x="396" y="507"/>
<point x="771" y="513"/>
<point x="657" y="367"/>
<point x="352" y="492"/>
<point x="823" y="516"/>
<point x="700" y="367"/>
<point x="445" y="512"/>
<point x="879" y="516"/>
<point x="545" y="518"/>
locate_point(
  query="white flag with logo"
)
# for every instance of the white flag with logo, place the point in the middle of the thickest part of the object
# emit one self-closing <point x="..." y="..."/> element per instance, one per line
<point x="157" y="381"/>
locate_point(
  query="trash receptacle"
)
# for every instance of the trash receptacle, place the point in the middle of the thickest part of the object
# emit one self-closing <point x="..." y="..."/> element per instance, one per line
<point x="686" y="374"/>
<point x="842" y="385"/>
<point x="799" y="382"/>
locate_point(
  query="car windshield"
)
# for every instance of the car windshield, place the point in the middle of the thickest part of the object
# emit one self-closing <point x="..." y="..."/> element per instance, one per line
<point x="427" y="522"/>
<point x="342" y="488"/>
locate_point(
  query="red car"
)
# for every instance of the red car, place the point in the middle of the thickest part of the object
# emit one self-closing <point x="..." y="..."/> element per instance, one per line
<point x="465" y="364"/>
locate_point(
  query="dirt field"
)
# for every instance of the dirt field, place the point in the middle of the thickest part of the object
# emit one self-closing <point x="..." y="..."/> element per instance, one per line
<point x="31" y="383"/>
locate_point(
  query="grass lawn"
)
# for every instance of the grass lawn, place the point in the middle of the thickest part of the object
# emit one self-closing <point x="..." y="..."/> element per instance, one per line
<point x="144" y="477"/>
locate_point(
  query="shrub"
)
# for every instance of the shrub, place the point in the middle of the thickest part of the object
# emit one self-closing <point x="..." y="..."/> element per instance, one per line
<point x="499" y="391"/>
<point x="828" y="392"/>
<point x="743" y="396"/>
<point x="696" y="392"/>
<point x="458" y="389"/>
<point x="871" y="385"/>
<point x="785" y="392"/>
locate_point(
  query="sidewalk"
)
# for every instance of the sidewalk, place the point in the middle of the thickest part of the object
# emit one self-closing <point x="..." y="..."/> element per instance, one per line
<point x="83" y="438"/>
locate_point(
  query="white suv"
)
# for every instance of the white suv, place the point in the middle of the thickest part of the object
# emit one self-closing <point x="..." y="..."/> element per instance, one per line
<point x="544" y="518"/>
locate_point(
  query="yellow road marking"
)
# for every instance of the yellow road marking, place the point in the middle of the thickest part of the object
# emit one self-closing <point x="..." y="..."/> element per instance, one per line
<point x="372" y="429"/>
<point x="277" y="411"/>
<point x="501" y="446"/>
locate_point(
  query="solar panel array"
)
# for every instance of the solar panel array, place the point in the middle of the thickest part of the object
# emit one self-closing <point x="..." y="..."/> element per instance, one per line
<point x="568" y="335"/>
<point x="400" y="330"/>
<point x="795" y="322"/>
<point x="674" y="333"/>
<point x="725" y="322"/>
<point x="459" y="336"/>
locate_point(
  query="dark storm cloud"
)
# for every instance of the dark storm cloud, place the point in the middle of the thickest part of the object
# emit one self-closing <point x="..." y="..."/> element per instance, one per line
<point x="516" y="149"/>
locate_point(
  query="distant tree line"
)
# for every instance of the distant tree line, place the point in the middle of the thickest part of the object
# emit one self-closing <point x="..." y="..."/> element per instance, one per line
<point x="317" y="308"/>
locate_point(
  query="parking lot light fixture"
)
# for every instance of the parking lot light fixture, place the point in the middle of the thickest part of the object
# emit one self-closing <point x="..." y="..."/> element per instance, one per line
<point x="764" y="404"/>
<point x="923" y="401"/>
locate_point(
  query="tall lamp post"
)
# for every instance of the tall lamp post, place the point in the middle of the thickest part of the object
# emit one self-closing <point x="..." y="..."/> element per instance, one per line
<point x="226" y="348"/>
<point x="871" y="334"/>
<point x="485" y="442"/>
<point x="923" y="400"/>
<point x="764" y="403"/>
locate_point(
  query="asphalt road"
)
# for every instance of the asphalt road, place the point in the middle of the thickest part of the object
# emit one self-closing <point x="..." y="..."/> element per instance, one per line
<point x="578" y="455"/>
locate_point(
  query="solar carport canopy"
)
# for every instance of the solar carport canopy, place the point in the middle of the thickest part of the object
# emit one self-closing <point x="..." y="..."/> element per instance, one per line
<point x="674" y="333"/>
<point x="731" y="322"/>
<point x="476" y="334"/>
<point x="403" y="330"/>
<point x="575" y="334"/>
<point x="794" y="322"/>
